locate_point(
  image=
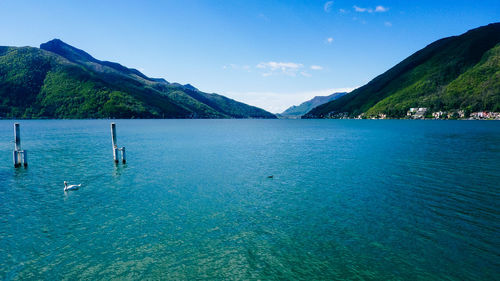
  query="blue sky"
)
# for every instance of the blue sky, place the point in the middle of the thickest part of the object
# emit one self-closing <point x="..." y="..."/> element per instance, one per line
<point x="271" y="54"/>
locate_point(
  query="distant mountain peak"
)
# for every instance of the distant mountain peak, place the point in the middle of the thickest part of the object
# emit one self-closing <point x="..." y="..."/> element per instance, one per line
<point x="79" y="56"/>
<point x="296" y="111"/>
<point x="55" y="41"/>
<point x="67" y="51"/>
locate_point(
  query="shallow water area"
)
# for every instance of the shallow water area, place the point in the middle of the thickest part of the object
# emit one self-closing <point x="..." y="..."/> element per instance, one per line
<point x="348" y="200"/>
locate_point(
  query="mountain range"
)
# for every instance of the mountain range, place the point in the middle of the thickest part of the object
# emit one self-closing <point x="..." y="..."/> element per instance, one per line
<point x="458" y="73"/>
<point x="61" y="81"/>
<point x="297" y="111"/>
<point x="451" y="74"/>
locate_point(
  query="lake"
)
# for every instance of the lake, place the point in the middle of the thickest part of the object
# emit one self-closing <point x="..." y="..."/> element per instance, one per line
<point x="348" y="200"/>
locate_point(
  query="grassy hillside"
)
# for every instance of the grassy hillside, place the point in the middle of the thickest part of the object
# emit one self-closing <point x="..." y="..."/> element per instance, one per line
<point x="478" y="88"/>
<point x="455" y="73"/>
<point x="65" y="82"/>
<point x="38" y="84"/>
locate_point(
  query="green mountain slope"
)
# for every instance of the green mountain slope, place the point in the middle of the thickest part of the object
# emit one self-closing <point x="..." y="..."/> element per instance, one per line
<point x="60" y="81"/>
<point x="479" y="87"/>
<point x="455" y="73"/>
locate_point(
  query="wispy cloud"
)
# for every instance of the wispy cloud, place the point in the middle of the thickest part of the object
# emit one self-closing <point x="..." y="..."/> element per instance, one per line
<point x="378" y="9"/>
<point x="328" y="6"/>
<point x="275" y="68"/>
<point x="388" y="23"/>
<point x="381" y="9"/>
<point x="272" y="67"/>
<point x="342" y="11"/>
<point x="279" y="65"/>
<point x="329" y="40"/>
<point x="362" y="10"/>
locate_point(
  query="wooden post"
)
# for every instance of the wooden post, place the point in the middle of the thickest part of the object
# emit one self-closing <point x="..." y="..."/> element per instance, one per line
<point x="17" y="145"/>
<point x="113" y="139"/>
<point x="115" y="155"/>
<point x="19" y="156"/>
<point x="17" y="137"/>
<point x="115" y="146"/>
<point x="25" y="158"/>
<point x="113" y="133"/>
<point x="15" y="158"/>
<point x="124" y="157"/>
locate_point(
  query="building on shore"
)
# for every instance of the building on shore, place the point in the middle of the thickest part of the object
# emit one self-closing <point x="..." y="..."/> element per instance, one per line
<point x="417" y="112"/>
<point x="485" y="115"/>
<point x="439" y="114"/>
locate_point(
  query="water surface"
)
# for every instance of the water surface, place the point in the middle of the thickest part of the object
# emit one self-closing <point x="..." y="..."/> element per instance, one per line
<point x="349" y="200"/>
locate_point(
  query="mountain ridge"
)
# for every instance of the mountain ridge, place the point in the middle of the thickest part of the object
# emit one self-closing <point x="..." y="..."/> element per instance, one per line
<point x="58" y="80"/>
<point x="76" y="55"/>
<point x="422" y="80"/>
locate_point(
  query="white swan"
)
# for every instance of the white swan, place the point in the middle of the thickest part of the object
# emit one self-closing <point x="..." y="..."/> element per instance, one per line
<point x="71" y="187"/>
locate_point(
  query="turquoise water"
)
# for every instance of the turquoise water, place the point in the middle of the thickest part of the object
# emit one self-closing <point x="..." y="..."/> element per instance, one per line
<point x="350" y="200"/>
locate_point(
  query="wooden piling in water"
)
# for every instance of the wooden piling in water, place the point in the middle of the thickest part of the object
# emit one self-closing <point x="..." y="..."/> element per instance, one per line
<point x="17" y="137"/>
<point x="19" y="156"/>
<point x="15" y="158"/>
<point x="113" y="140"/>
<point x="124" y="157"/>
<point x="25" y="158"/>
<point x="115" y="155"/>
<point x="115" y="146"/>
<point x="113" y="133"/>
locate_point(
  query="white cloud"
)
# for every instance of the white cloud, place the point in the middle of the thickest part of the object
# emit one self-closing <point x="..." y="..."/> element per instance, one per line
<point x="275" y="68"/>
<point x="279" y="65"/>
<point x="381" y="9"/>
<point x="388" y="23"/>
<point x="272" y="67"/>
<point x="329" y="40"/>
<point x="342" y="11"/>
<point x="378" y="9"/>
<point x="328" y="6"/>
<point x="277" y="102"/>
<point x="362" y="10"/>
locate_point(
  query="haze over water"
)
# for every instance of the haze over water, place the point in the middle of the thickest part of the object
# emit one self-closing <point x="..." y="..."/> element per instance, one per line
<point x="349" y="200"/>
